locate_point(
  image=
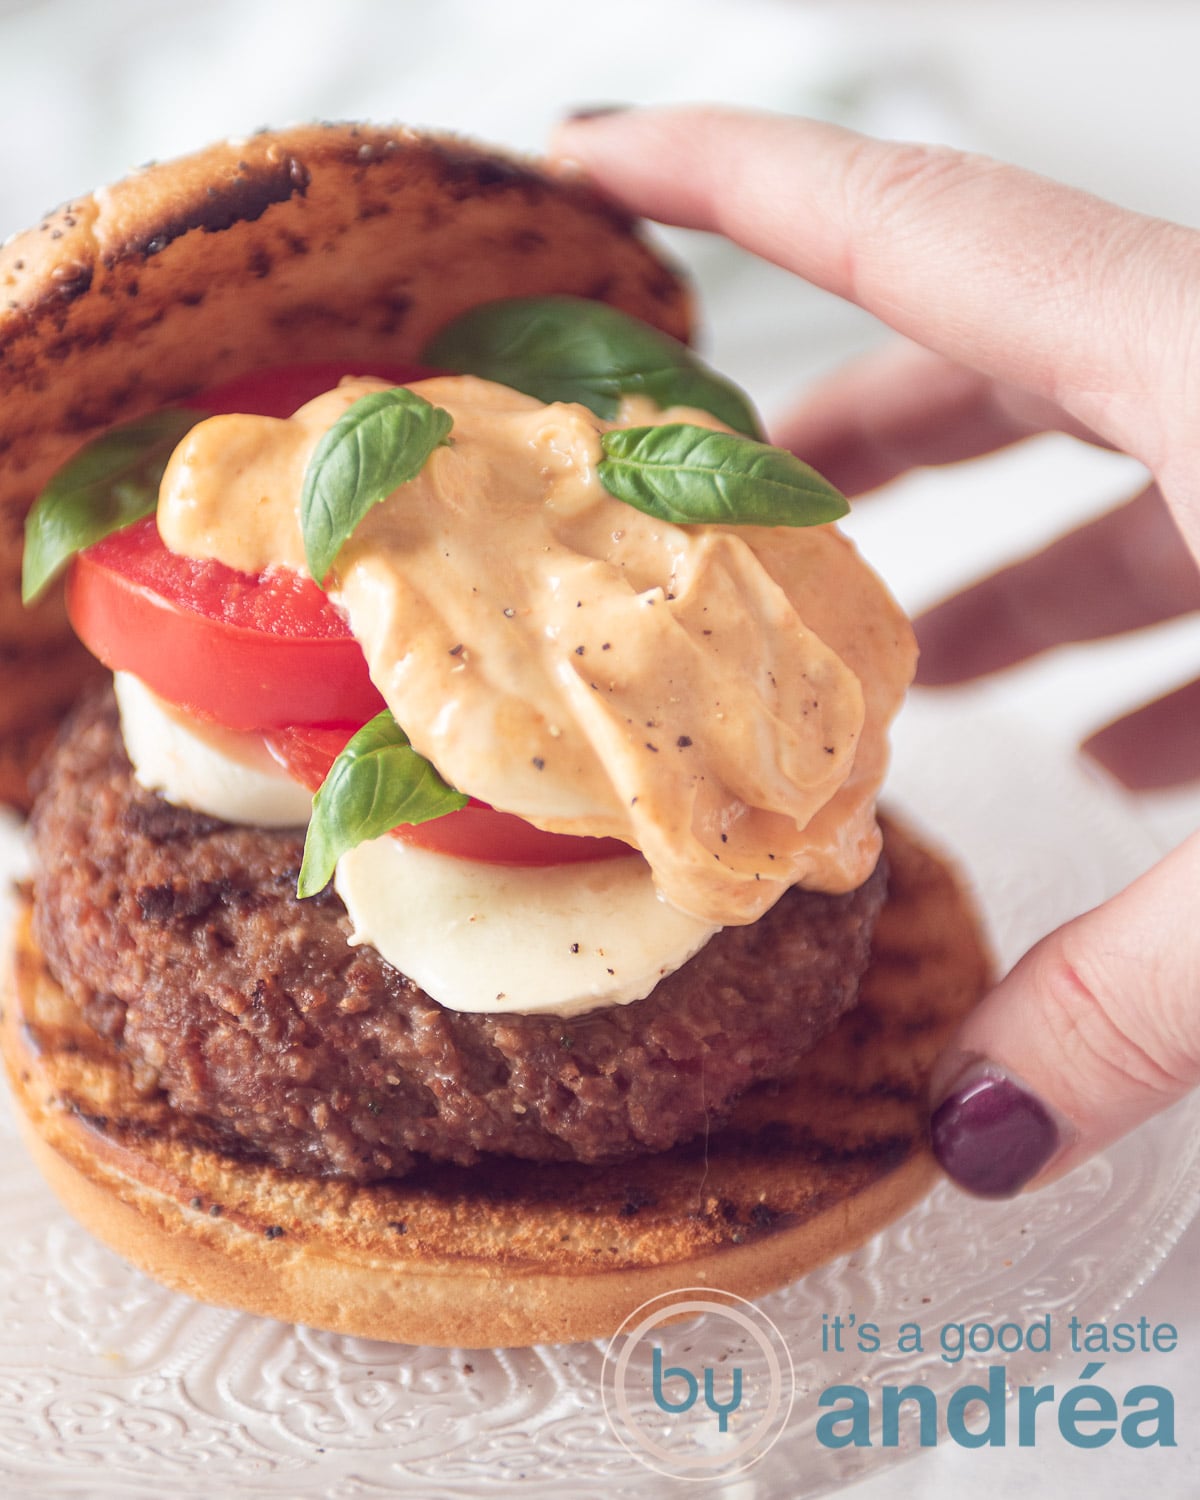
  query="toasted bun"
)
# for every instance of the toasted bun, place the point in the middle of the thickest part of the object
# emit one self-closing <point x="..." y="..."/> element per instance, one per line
<point x="321" y="242"/>
<point x="509" y="1252"/>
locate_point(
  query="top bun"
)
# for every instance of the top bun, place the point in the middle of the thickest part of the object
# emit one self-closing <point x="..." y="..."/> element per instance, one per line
<point x="320" y="242"/>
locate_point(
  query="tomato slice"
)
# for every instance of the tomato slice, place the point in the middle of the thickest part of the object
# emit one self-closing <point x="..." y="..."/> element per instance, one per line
<point x="250" y="652"/>
<point x="283" y="389"/>
<point x="477" y="832"/>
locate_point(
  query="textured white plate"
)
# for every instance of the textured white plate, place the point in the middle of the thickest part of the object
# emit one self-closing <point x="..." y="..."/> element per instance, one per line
<point x="111" y="1386"/>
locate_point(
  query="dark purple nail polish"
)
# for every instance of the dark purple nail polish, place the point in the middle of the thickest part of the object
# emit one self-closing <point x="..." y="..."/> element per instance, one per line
<point x="990" y="1135"/>
<point x="594" y="111"/>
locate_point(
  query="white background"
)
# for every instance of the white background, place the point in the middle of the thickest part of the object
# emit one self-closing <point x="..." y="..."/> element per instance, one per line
<point x="1102" y="95"/>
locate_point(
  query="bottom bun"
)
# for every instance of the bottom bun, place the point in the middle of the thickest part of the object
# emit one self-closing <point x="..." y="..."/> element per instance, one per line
<point x="511" y="1252"/>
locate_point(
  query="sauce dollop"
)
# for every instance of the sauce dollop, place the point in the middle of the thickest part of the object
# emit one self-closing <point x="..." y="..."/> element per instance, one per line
<point x="716" y="696"/>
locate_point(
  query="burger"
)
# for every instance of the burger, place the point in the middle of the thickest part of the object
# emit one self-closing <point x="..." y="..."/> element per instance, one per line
<point x="467" y="915"/>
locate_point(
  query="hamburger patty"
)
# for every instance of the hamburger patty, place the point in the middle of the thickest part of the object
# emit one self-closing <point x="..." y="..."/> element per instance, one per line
<point x="182" y="940"/>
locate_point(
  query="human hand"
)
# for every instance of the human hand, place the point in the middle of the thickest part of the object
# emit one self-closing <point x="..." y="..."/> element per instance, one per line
<point x="1032" y="307"/>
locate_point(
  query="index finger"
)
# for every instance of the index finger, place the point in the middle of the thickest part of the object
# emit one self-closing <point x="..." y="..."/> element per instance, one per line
<point x="1032" y="283"/>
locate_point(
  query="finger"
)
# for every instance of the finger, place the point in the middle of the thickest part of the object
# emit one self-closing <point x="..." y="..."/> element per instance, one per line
<point x="903" y="406"/>
<point x="1035" y="284"/>
<point x="1094" y="1031"/>
<point x="1157" y="746"/>
<point x="1124" y="571"/>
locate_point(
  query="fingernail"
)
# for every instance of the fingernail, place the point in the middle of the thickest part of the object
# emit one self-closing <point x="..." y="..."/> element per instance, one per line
<point x="990" y="1134"/>
<point x="594" y="111"/>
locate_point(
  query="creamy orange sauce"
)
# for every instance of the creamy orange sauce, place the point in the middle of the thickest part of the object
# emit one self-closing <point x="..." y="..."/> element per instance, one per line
<point x="696" y="691"/>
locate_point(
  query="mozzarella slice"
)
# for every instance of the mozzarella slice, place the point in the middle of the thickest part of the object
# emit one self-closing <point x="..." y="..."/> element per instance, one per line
<point x="554" y="941"/>
<point x="212" y="770"/>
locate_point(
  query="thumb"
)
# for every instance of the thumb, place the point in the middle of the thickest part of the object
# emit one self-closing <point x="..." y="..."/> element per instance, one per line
<point x="1095" y="1030"/>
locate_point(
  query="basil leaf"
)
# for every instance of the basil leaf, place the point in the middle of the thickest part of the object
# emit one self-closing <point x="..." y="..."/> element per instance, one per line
<point x="110" y="483"/>
<point x="683" y="473"/>
<point x="573" y="349"/>
<point x="376" y="445"/>
<point x="376" y="783"/>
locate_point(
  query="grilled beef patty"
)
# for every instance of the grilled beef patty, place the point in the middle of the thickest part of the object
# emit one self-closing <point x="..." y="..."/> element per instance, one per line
<point x="183" y="941"/>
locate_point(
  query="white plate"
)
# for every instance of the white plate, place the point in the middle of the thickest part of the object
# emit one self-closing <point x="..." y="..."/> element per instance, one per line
<point x="111" y="1386"/>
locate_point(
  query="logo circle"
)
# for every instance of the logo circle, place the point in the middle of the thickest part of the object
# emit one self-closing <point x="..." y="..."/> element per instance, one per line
<point x="735" y="1370"/>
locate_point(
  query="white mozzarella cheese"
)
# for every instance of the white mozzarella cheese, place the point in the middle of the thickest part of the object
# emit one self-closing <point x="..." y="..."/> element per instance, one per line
<point x="202" y="766"/>
<point x="555" y="940"/>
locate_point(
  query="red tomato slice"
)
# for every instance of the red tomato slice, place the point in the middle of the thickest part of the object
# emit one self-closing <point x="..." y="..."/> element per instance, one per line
<point x="477" y="832"/>
<point x="283" y="389"/>
<point x="249" y="652"/>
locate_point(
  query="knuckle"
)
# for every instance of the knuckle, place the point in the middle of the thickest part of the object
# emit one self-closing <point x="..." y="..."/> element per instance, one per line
<point x="886" y="181"/>
<point x="1110" y="1043"/>
<point x="889" y="190"/>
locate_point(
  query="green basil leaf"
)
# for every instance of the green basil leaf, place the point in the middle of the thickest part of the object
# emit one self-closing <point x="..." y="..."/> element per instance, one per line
<point x="683" y="473"/>
<point x="573" y="349"/>
<point x="376" y="445"/>
<point x="110" y="483"/>
<point x="376" y="783"/>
